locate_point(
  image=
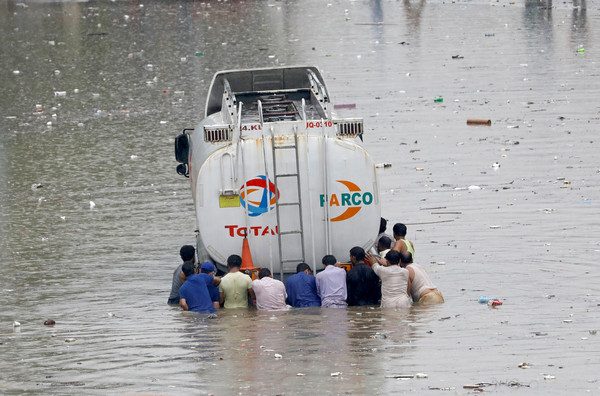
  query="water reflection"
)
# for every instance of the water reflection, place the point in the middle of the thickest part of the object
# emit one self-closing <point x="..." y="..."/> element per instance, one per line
<point x="579" y="28"/>
<point x="413" y="11"/>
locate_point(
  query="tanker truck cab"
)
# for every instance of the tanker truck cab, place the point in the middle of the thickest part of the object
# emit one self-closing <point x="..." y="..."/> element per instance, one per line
<point x="272" y="167"/>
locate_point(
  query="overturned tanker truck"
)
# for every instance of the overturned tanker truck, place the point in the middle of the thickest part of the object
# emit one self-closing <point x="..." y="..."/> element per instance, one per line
<point x="274" y="170"/>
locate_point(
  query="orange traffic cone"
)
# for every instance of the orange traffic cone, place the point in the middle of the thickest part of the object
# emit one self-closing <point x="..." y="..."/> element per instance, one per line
<point x="247" y="264"/>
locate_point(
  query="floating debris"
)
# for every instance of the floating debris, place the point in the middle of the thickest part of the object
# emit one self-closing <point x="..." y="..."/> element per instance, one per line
<point x="49" y="322"/>
<point x="525" y="365"/>
<point x="336" y="374"/>
<point x="70" y="340"/>
<point x="277" y="356"/>
<point x="16" y="324"/>
<point x="476" y="121"/>
<point x="345" y="106"/>
<point x="421" y="375"/>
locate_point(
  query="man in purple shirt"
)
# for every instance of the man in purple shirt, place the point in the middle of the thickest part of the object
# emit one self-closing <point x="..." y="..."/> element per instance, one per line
<point x="331" y="284"/>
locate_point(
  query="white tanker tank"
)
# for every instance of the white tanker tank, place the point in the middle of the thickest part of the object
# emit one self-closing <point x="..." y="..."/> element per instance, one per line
<point x="271" y="162"/>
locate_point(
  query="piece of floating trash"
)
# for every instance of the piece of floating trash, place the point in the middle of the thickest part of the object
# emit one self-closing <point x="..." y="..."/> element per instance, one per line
<point x="16" y="72"/>
<point x="35" y="186"/>
<point x="457" y="57"/>
<point x="70" y="340"/>
<point x="336" y="374"/>
<point x="485" y="299"/>
<point x="567" y="321"/>
<point x="473" y="188"/>
<point x="494" y="227"/>
<point x="16" y="324"/>
<point x="581" y="50"/>
<point x="549" y="377"/>
<point x="438" y="100"/>
<point x="49" y="322"/>
<point x="401" y="376"/>
<point x="524" y="365"/>
<point x="133" y="156"/>
<point x="512" y="126"/>
<point x="421" y="375"/>
<point x="300" y="375"/>
<point x="345" y="106"/>
<point x="92" y="204"/>
<point x="496" y="165"/>
<point x="471" y="386"/>
<point x="277" y="356"/>
<point x="476" y="121"/>
<point x="378" y="336"/>
<point x="60" y="94"/>
<point x="593" y="332"/>
<point x="383" y="165"/>
<point x="419" y="169"/>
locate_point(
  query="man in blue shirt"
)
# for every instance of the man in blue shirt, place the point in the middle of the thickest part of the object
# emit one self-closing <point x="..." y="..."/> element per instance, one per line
<point x="302" y="288"/>
<point x="208" y="268"/>
<point x="193" y="294"/>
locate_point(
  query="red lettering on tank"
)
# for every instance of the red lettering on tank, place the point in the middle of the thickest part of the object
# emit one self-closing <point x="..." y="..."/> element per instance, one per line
<point x="255" y="229"/>
<point x="242" y="231"/>
<point x="231" y="229"/>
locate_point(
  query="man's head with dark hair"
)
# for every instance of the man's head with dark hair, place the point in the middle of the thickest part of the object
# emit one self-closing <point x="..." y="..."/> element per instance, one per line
<point x="399" y="230"/>
<point x="263" y="272"/>
<point x="302" y="267"/>
<point x="329" y="260"/>
<point x="406" y="258"/>
<point x="187" y="269"/>
<point x="382" y="225"/>
<point x="187" y="252"/>
<point x="234" y="261"/>
<point x="358" y="253"/>
<point x="384" y="243"/>
<point x="393" y="257"/>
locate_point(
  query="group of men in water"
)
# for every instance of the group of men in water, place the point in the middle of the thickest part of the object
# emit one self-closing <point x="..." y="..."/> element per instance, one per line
<point x="387" y="277"/>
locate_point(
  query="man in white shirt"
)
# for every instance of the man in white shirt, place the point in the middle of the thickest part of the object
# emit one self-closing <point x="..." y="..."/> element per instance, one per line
<point x="270" y="293"/>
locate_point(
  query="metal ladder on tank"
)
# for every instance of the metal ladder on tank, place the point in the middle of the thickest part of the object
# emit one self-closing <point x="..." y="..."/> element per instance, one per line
<point x="298" y="204"/>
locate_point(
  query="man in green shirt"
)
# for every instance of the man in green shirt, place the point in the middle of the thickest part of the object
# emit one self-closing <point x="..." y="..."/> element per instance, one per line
<point x="235" y="286"/>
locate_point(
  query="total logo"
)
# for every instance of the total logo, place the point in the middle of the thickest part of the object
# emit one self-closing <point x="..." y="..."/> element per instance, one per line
<point x="258" y="195"/>
<point x="351" y="201"/>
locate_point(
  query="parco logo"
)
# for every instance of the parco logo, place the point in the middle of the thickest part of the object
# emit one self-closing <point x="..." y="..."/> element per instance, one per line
<point x="353" y="200"/>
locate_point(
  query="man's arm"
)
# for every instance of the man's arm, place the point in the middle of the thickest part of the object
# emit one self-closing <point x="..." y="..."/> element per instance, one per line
<point x="216" y="280"/>
<point x="252" y="295"/>
<point x="409" y="286"/>
<point x="221" y="297"/>
<point x="183" y="304"/>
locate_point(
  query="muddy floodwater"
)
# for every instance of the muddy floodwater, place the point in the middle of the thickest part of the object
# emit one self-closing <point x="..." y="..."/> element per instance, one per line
<point x="92" y="212"/>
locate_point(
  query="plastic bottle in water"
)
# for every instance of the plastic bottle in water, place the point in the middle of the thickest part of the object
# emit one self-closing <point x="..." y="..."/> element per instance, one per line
<point x="485" y="299"/>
